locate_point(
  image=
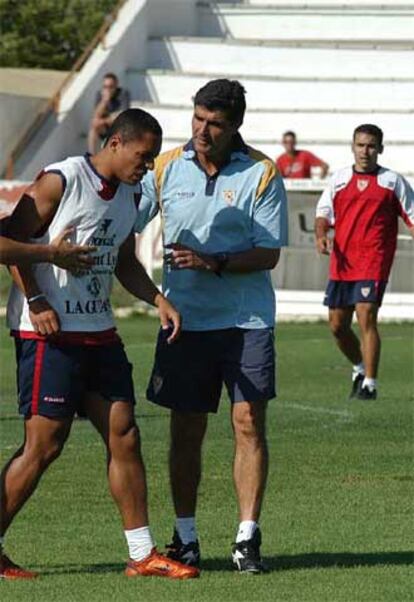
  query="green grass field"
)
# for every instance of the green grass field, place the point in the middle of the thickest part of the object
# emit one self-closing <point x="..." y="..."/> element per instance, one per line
<point x="338" y="516"/>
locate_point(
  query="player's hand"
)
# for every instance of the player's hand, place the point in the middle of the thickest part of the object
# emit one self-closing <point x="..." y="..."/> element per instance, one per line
<point x="169" y="317"/>
<point x="183" y="257"/>
<point x="43" y="317"/>
<point x="323" y="245"/>
<point x="69" y="256"/>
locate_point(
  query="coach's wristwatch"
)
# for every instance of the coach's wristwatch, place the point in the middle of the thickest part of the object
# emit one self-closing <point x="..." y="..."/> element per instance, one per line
<point x="222" y="260"/>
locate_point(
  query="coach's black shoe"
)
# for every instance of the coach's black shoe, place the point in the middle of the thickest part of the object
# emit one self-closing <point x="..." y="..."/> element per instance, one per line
<point x="187" y="553"/>
<point x="365" y="394"/>
<point x="246" y="555"/>
<point x="356" y="386"/>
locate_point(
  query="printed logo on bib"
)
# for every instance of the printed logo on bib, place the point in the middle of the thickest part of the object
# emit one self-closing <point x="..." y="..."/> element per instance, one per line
<point x="365" y="291"/>
<point x="362" y="185"/>
<point x="94" y="287"/>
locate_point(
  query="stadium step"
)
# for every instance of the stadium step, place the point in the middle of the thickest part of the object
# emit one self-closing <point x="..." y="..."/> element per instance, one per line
<point x="393" y="24"/>
<point x="323" y="126"/>
<point x="219" y="55"/>
<point x="175" y="88"/>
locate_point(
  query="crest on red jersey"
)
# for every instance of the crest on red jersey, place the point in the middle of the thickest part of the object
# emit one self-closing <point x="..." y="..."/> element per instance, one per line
<point x="362" y="184"/>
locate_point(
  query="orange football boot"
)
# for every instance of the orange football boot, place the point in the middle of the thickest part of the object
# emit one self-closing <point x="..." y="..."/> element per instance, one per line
<point x="9" y="570"/>
<point x="157" y="565"/>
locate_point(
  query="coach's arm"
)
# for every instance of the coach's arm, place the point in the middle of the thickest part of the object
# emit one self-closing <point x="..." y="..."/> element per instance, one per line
<point x="252" y="260"/>
<point x="133" y="277"/>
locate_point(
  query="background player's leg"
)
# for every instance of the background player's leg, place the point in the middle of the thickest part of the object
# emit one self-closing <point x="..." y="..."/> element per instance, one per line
<point x="44" y="440"/>
<point x="126" y="473"/>
<point x="251" y="457"/>
<point x="367" y="314"/>
<point x="340" y="322"/>
<point x="187" y="434"/>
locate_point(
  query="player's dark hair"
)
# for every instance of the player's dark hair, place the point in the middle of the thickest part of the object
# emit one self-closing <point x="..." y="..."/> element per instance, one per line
<point x="132" y="123"/>
<point x="290" y="133"/>
<point x="373" y="130"/>
<point x="223" y="95"/>
<point x="110" y="76"/>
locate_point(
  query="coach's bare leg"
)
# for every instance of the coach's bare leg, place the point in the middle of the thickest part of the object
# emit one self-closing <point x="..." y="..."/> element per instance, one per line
<point x="367" y="315"/>
<point x="116" y="424"/>
<point x="187" y="434"/>
<point x="251" y="458"/>
<point x="44" y="440"/>
<point x="340" y="322"/>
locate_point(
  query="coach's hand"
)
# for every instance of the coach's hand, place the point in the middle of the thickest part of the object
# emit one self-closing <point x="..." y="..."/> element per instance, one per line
<point x="43" y="317"/>
<point x="69" y="256"/>
<point x="169" y="317"/>
<point x="323" y="245"/>
<point x="185" y="258"/>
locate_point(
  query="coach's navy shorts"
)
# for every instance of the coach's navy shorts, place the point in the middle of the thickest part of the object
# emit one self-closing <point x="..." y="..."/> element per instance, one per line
<point x="188" y="374"/>
<point x="52" y="379"/>
<point x="341" y="293"/>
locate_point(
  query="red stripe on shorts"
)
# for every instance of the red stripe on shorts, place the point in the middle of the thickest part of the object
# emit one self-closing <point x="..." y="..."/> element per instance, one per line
<point x="38" y="365"/>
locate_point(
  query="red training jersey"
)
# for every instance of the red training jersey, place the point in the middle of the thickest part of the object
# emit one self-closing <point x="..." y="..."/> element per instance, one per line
<point x="298" y="166"/>
<point x="364" y="208"/>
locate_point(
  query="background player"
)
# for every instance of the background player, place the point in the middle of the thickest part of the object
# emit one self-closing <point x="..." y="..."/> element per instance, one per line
<point x="362" y="203"/>
<point x="70" y="356"/>
<point x="296" y="163"/>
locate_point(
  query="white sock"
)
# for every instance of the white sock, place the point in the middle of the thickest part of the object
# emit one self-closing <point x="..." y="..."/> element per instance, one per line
<point x="358" y="369"/>
<point x="140" y="542"/>
<point x="369" y="383"/>
<point x="246" y="530"/>
<point x="186" y="529"/>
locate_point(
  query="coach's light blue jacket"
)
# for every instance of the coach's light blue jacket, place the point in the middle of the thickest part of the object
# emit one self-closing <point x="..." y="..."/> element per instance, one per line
<point x="242" y="207"/>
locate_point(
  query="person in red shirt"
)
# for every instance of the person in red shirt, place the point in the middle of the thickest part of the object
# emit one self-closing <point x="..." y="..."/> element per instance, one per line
<point x="362" y="203"/>
<point x="296" y="163"/>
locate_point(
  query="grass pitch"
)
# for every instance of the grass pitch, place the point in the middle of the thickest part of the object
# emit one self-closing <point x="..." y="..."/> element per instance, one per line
<point x="337" y="521"/>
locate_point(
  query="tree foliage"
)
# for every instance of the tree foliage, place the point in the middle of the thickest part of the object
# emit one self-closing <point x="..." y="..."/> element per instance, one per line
<point x="48" y="34"/>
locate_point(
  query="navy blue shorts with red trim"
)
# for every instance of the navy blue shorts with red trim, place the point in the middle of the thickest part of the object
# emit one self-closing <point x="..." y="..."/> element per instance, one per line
<point x="342" y="293"/>
<point x="188" y="375"/>
<point x="52" y="379"/>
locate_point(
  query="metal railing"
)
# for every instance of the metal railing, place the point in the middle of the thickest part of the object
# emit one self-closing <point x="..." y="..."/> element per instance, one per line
<point x="52" y="105"/>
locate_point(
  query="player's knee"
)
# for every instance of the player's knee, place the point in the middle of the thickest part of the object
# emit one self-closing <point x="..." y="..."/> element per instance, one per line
<point x="249" y="424"/>
<point x="188" y="430"/>
<point x="126" y="442"/>
<point x="43" y="453"/>
<point x="339" y="329"/>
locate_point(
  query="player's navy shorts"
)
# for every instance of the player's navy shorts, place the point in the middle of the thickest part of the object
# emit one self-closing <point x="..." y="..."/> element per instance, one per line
<point x="188" y="374"/>
<point x="52" y="379"/>
<point x="342" y="293"/>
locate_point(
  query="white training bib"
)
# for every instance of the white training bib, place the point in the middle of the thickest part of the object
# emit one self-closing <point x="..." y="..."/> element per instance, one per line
<point x="102" y="216"/>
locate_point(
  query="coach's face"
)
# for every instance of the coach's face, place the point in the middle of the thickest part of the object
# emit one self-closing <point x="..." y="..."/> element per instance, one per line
<point x="132" y="160"/>
<point x="366" y="150"/>
<point x="212" y="132"/>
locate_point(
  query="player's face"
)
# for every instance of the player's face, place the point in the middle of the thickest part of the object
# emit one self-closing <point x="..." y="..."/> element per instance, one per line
<point x="109" y="86"/>
<point x="212" y="132"/>
<point x="132" y="160"/>
<point x="289" y="144"/>
<point x="366" y="150"/>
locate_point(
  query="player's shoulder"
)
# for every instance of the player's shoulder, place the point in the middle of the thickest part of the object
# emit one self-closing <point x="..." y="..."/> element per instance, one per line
<point x="65" y="168"/>
<point x="388" y="178"/>
<point x="340" y="178"/>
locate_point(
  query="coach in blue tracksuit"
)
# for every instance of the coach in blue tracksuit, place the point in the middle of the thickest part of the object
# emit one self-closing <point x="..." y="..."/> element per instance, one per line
<point x="223" y="208"/>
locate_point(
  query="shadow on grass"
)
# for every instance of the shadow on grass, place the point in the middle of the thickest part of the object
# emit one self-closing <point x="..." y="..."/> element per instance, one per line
<point x="316" y="560"/>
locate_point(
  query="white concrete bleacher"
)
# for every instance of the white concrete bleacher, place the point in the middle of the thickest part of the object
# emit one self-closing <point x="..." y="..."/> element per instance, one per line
<point x="347" y="22"/>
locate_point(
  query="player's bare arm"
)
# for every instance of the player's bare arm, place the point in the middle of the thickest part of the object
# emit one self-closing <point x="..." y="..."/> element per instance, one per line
<point x="323" y="244"/>
<point x="324" y="169"/>
<point x="60" y="252"/>
<point x="35" y="210"/>
<point x="133" y="277"/>
<point x="252" y="260"/>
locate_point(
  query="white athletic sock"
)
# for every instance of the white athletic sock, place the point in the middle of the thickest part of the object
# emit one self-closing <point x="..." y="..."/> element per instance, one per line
<point x="246" y="530"/>
<point x="186" y="529"/>
<point x="369" y="383"/>
<point x="140" y="542"/>
<point x="358" y="369"/>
